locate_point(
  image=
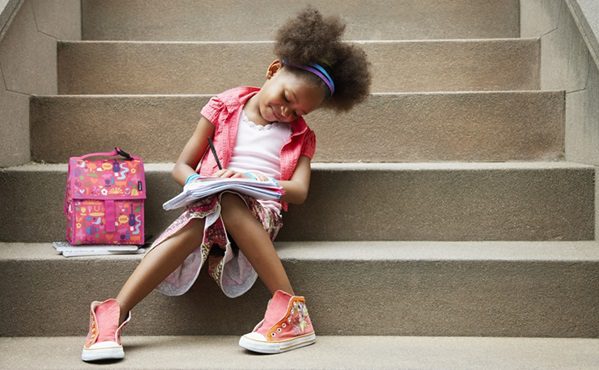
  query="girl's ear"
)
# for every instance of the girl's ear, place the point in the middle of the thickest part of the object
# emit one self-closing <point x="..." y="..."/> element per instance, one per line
<point x="273" y="68"/>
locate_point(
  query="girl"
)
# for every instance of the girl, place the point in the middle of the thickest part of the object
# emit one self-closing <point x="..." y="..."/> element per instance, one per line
<point x="258" y="133"/>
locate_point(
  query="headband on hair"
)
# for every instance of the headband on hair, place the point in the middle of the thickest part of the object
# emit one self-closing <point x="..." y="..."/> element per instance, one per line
<point x="319" y="71"/>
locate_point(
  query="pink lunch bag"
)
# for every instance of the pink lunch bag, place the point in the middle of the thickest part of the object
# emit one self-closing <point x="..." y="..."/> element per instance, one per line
<point x="104" y="201"/>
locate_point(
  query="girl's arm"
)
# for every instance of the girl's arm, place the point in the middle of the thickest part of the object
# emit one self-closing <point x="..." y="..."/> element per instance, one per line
<point x="193" y="151"/>
<point x="296" y="189"/>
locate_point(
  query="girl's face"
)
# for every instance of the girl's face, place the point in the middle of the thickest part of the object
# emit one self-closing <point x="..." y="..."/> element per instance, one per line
<point x="285" y="95"/>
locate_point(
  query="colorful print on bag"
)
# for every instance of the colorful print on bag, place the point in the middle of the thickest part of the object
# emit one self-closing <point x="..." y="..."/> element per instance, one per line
<point x="104" y="202"/>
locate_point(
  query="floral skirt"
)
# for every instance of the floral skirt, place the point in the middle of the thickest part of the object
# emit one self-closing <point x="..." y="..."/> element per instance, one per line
<point x="227" y="265"/>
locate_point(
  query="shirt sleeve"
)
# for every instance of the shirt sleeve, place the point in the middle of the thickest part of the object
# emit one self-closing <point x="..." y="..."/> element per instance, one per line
<point x="309" y="144"/>
<point x="212" y="110"/>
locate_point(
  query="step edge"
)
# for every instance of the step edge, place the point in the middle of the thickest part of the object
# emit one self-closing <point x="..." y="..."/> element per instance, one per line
<point x="372" y="251"/>
<point x="356" y="166"/>
<point x="523" y="40"/>
<point x="375" y="94"/>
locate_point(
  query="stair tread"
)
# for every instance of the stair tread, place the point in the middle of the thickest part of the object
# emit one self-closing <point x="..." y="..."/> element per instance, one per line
<point x="426" y="201"/>
<point x="259" y="21"/>
<point x="210" y="94"/>
<point x="330" y="352"/>
<point x="142" y="67"/>
<point x="562" y="251"/>
<point x="365" y="41"/>
<point x="348" y="166"/>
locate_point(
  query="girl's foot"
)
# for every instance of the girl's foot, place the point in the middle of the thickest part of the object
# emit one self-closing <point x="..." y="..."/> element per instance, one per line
<point x="103" y="340"/>
<point x="286" y="326"/>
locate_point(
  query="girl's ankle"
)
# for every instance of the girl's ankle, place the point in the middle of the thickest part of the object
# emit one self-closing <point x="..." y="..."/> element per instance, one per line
<point x="123" y="313"/>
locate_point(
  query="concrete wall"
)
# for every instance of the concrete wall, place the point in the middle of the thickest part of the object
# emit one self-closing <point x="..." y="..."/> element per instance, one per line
<point x="568" y="31"/>
<point x="28" y="64"/>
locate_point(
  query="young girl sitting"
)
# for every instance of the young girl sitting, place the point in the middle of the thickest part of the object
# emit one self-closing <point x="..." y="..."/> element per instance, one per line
<point x="258" y="133"/>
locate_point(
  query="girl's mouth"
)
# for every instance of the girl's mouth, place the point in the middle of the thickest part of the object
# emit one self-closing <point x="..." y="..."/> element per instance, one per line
<point x="275" y="114"/>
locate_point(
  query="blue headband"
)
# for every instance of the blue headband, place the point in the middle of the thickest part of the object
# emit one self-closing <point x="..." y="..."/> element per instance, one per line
<point x="319" y="71"/>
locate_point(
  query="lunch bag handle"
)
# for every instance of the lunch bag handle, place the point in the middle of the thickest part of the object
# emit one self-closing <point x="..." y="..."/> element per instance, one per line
<point x="115" y="152"/>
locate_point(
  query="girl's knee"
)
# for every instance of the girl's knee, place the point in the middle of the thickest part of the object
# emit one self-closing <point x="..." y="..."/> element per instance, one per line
<point x="231" y="203"/>
<point x="194" y="228"/>
<point x="232" y="208"/>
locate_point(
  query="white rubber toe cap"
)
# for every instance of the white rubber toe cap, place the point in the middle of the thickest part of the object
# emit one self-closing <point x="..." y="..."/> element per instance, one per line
<point x="103" y="351"/>
<point x="256" y="336"/>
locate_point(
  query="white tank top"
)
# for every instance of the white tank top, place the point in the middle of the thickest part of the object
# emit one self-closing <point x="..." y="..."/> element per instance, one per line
<point x="258" y="148"/>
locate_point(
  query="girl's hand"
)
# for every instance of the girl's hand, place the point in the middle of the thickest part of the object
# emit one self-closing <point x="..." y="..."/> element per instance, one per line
<point x="227" y="173"/>
<point x="255" y="176"/>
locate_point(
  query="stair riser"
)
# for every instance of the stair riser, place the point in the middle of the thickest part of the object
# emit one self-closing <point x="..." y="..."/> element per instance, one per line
<point x="518" y="204"/>
<point x="149" y="68"/>
<point x="421" y="298"/>
<point x="180" y="20"/>
<point x="498" y="126"/>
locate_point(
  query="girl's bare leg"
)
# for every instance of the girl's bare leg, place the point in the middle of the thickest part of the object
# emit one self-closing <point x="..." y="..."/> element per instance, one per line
<point x="255" y="244"/>
<point x="158" y="264"/>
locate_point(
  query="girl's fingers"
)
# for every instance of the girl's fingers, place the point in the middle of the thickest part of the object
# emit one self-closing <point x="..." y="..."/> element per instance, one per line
<point x="218" y="173"/>
<point x="227" y="173"/>
<point x="255" y="176"/>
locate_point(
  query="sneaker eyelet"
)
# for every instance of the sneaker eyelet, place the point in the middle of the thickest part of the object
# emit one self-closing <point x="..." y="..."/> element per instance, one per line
<point x="273" y="334"/>
<point x="278" y="330"/>
<point x="284" y="325"/>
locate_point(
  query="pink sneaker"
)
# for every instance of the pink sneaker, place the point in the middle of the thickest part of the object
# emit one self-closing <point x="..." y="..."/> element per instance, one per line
<point x="103" y="341"/>
<point x="286" y="326"/>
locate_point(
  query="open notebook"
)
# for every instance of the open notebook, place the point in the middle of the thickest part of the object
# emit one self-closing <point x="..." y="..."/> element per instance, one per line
<point x="205" y="186"/>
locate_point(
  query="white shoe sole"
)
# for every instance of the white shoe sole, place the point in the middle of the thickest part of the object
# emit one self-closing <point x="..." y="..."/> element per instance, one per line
<point x="276" y="347"/>
<point x="103" y="351"/>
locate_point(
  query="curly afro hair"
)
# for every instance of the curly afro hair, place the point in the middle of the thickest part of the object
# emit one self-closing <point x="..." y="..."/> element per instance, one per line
<point x="310" y="38"/>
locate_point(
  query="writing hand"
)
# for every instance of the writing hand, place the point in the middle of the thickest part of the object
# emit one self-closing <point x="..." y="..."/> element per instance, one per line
<point x="256" y="176"/>
<point x="228" y="173"/>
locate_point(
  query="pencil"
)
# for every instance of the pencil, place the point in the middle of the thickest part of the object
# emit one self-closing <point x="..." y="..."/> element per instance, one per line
<point x="214" y="154"/>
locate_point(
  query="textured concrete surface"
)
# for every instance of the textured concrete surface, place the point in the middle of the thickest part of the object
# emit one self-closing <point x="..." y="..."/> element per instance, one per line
<point x="567" y="64"/>
<point x="23" y="72"/>
<point x="329" y="352"/>
<point x="14" y="127"/>
<point x="27" y="56"/>
<point x="419" y="201"/>
<point x="582" y="121"/>
<point x="201" y="67"/>
<point x="60" y="19"/>
<point x="569" y="61"/>
<point x="7" y="7"/>
<point x="219" y="20"/>
<point x="401" y="127"/>
<point x="586" y="13"/>
<point x="534" y="289"/>
<point x="564" y="57"/>
<point x="538" y="17"/>
<point x="28" y="67"/>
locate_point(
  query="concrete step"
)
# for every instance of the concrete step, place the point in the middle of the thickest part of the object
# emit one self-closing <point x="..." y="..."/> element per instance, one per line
<point x="438" y="201"/>
<point x="200" y="67"/>
<point x="393" y="127"/>
<point x="330" y="352"/>
<point x="503" y="289"/>
<point x="191" y="20"/>
<point x="417" y="201"/>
